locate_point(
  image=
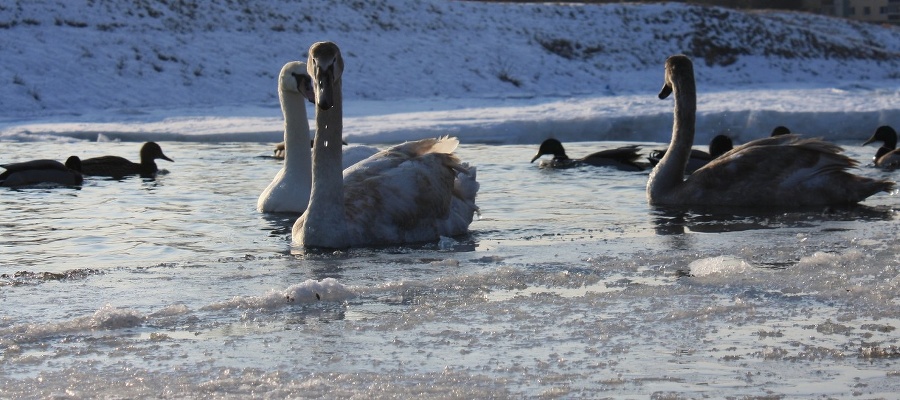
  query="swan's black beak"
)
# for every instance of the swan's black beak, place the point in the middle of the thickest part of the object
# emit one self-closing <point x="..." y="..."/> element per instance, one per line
<point x="536" y="156"/>
<point x="304" y="86"/>
<point x="325" y="87"/>
<point x="871" y="139"/>
<point x="665" y="91"/>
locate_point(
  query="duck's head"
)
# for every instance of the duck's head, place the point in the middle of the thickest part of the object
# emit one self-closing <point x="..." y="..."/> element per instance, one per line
<point x="152" y="151"/>
<point x="551" y="146"/>
<point x="719" y="145"/>
<point x="294" y="78"/>
<point x="73" y="163"/>
<point x="884" y="134"/>
<point x="325" y="65"/>
<point x="780" y="130"/>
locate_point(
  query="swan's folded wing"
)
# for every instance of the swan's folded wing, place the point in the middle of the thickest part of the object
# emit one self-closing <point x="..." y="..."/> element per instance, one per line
<point x="400" y="195"/>
<point x="805" y="171"/>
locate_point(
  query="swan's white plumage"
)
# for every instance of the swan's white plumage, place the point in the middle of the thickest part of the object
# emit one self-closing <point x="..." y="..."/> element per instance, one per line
<point x="355" y="153"/>
<point x="779" y="171"/>
<point x="290" y="189"/>
<point x="412" y="192"/>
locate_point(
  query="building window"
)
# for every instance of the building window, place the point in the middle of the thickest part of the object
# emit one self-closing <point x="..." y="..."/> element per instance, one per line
<point x="867" y="10"/>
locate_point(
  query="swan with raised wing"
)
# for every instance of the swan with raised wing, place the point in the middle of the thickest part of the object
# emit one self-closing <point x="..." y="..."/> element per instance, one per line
<point x="413" y="192"/>
<point x="779" y="171"/>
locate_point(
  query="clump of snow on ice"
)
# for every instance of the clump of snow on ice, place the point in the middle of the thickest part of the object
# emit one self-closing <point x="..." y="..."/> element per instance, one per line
<point x="310" y="291"/>
<point x="109" y="317"/>
<point x="718" y="265"/>
<point x="328" y="289"/>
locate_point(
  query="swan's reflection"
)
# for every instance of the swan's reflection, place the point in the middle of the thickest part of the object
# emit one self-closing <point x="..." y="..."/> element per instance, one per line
<point x="669" y="220"/>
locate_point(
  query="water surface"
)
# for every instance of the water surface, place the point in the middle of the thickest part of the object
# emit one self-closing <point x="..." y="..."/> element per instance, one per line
<point x="568" y="285"/>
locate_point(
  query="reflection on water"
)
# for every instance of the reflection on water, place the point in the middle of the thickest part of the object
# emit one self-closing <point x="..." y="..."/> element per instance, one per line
<point x="672" y="220"/>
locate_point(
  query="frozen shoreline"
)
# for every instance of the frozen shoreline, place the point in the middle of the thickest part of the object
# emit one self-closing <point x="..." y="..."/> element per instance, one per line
<point x="833" y="113"/>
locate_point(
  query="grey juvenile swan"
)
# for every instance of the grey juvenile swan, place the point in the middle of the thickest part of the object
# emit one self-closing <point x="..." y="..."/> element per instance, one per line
<point x="779" y="171"/>
<point x="413" y="192"/>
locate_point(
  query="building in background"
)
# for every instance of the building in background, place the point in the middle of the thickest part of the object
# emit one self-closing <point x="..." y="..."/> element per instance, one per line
<point x="875" y="11"/>
<point x="880" y="11"/>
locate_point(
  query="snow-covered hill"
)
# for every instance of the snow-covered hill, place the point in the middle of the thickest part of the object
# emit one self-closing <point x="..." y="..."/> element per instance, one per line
<point x="65" y="57"/>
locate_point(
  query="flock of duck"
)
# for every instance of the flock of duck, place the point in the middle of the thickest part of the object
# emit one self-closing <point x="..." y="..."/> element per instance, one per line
<point x="73" y="171"/>
<point x="420" y="191"/>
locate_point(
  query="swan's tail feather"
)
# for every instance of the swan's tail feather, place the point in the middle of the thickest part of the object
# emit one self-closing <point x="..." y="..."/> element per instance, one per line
<point x="417" y="148"/>
<point x="445" y="144"/>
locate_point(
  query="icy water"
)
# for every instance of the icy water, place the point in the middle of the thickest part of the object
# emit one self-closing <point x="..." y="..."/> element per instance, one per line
<point x="569" y="286"/>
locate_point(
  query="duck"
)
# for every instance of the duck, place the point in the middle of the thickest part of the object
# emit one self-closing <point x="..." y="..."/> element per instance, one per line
<point x="887" y="156"/>
<point x="413" y="192"/>
<point x="118" y="167"/>
<point x="42" y="171"/>
<point x="623" y="158"/>
<point x="289" y="190"/>
<point x="720" y="144"/>
<point x="786" y="171"/>
<point x="780" y="130"/>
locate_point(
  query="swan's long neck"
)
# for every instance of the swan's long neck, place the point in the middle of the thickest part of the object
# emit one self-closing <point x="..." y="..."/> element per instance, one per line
<point x="296" y="136"/>
<point x="326" y="224"/>
<point x="669" y="173"/>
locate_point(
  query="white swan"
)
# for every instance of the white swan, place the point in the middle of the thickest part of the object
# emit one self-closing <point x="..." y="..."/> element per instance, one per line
<point x="413" y="192"/>
<point x="289" y="190"/>
<point x="779" y="171"/>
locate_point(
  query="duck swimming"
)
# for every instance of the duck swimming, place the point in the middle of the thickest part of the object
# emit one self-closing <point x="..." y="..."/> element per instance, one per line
<point x="623" y="158"/>
<point x="887" y="156"/>
<point x="719" y="145"/>
<point x="118" y="167"/>
<point x="413" y="192"/>
<point x="780" y="171"/>
<point x="42" y="171"/>
<point x="780" y="130"/>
